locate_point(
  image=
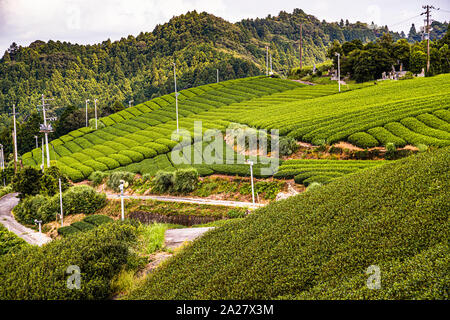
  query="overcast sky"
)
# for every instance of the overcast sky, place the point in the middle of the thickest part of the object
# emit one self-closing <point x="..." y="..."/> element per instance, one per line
<point x="92" y="21"/>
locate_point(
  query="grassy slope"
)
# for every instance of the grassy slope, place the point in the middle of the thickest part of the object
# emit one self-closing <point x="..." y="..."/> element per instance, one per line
<point x="319" y="244"/>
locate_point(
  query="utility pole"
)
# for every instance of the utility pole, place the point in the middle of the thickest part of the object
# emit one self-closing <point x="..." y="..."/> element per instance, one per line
<point x="121" y="187"/>
<point x="15" y="159"/>
<point x="267" y="60"/>
<point x="427" y="31"/>
<point x="43" y="157"/>
<point x="15" y="134"/>
<point x="271" y="72"/>
<point x="339" y="69"/>
<point x="217" y="75"/>
<point x="46" y="129"/>
<point x="301" y="46"/>
<point x="251" y="178"/>
<point x="87" y="117"/>
<point x="2" y="160"/>
<point x="176" y="93"/>
<point x="95" y="107"/>
<point x="61" y="202"/>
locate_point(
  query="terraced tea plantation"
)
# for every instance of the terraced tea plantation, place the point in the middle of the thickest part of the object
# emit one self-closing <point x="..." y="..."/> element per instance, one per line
<point x="322" y="171"/>
<point x="404" y="112"/>
<point x="138" y="139"/>
<point x="144" y="131"/>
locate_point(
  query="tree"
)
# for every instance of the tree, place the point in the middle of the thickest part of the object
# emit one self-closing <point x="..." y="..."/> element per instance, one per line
<point x="27" y="182"/>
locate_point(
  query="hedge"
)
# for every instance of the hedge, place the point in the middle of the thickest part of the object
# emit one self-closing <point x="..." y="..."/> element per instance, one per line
<point x="96" y="165"/>
<point x="363" y="140"/>
<point x="109" y="162"/>
<point x="121" y="158"/>
<point x="83" y="226"/>
<point x="40" y="273"/>
<point x="145" y="151"/>
<point x="98" y="219"/>
<point x="350" y="225"/>
<point x="133" y="155"/>
<point x="159" y="148"/>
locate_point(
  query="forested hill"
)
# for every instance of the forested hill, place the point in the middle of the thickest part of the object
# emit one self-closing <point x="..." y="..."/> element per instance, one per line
<point x="139" y="68"/>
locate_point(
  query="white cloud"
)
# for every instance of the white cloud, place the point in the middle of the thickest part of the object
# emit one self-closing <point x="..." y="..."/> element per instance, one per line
<point x="92" y="21"/>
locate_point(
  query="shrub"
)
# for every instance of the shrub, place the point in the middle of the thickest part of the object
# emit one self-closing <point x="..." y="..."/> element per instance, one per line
<point x="163" y="181"/>
<point x="422" y="147"/>
<point x="95" y="165"/>
<point x="97" y="177"/>
<point x="67" y="230"/>
<point x="82" y="226"/>
<point x="133" y="155"/>
<point x="236" y="213"/>
<point x="27" y="209"/>
<point x="10" y="242"/>
<point x="287" y="146"/>
<point x="78" y="199"/>
<point x="391" y="151"/>
<point x="98" y="219"/>
<point x="41" y="272"/>
<point x="363" y="140"/>
<point x="27" y="182"/>
<point x="122" y="159"/>
<point x="114" y="179"/>
<point x="313" y="185"/>
<point x="146" y="152"/>
<point x="185" y="180"/>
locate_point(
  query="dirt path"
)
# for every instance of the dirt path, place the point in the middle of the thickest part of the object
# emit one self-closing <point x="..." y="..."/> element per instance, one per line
<point x="7" y="203"/>
<point x="191" y="200"/>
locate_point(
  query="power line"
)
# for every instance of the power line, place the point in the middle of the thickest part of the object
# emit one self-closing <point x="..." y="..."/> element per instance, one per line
<point x="396" y="24"/>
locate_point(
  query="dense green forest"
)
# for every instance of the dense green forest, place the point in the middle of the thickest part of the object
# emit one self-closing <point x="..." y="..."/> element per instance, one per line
<point x="140" y="67"/>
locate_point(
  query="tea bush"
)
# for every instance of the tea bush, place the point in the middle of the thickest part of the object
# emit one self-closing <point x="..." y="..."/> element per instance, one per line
<point x="319" y="244"/>
<point x="40" y="273"/>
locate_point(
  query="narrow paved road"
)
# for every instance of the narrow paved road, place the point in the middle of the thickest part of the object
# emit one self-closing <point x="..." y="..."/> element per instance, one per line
<point x="191" y="200"/>
<point x="175" y="238"/>
<point x="7" y="203"/>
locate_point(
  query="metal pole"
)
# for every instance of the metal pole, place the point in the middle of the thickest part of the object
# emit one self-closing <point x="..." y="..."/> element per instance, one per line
<point x="95" y="103"/>
<point x="61" y="202"/>
<point x="176" y="93"/>
<point x="46" y="133"/>
<point x="267" y="60"/>
<point x="43" y="157"/>
<point x="121" y="201"/>
<point x="251" y="178"/>
<point x="15" y="133"/>
<point x="217" y="75"/>
<point x="253" y="188"/>
<point x="271" y="72"/>
<point x="2" y="164"/>
<point x="37" y="143"/>
<point x="87" y="117"/>
<point x="339" y="70"/>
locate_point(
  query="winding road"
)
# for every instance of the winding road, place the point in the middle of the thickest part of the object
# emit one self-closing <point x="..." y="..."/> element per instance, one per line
<point x="191" y="200"/>
<point x="7" y="203"/>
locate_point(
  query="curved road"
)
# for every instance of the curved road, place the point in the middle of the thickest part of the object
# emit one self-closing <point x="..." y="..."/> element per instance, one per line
<point x="191" y="200"/>
<point x="7" y="203"/>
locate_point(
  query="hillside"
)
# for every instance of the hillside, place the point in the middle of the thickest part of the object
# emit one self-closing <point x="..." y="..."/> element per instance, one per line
<point x="138" y="139"/>
<point x="140" y="67"/>
<point x="318" y="245"/>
